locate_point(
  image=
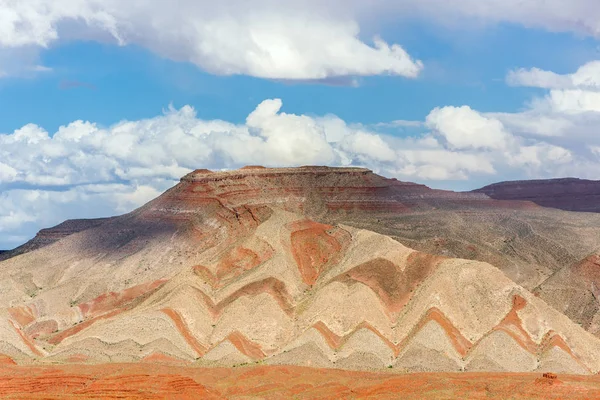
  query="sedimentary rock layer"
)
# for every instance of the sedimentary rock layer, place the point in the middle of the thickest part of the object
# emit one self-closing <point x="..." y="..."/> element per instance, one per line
<point x="255" y="265"/>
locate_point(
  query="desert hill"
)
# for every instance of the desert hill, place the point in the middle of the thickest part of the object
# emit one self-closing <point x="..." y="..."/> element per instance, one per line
<point x="529" y="243"/>
<point x="272" y="266"/>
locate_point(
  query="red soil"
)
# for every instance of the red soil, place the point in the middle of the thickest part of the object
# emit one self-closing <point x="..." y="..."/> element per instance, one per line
<point x="28" y="342"/>
<point x="553" y="339"/>
<point x="245" y="346"/>
<point x="184" y="330"/>
<point x="335" y="342"/>
<point x="107" y="306"/>
<point x="272" y="286"/>
<point x="241" y="260"/>
<point x="78" y="358"/>
<point x="393" y="285"/>
<point x="460" y="343"/>
<point x="236" y="262"/>
<point x="22" y="315"/>
<point x="116" y="300"/>
<point x="161" y="358"/>
<point x="59" y="337"/>
<point x="316" y="246"/>
<point x="513" y="325"/>
<point x="156" y="381"/>
<point x="6" y="360"/>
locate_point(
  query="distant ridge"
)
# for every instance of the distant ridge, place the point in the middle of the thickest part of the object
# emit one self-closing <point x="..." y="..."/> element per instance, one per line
<point x="570" y="194"/>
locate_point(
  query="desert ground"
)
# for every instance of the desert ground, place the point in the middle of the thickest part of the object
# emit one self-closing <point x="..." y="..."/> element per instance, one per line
<point x="148" y="381"/>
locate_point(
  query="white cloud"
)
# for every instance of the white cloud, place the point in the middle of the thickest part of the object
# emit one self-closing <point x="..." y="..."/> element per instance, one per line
<point x="587" y="77"/>
<point x="442" y="164"/>
<point x="536" y="77"/>
<point x="541" y="156"/>
<point x="568" y="113"/>
<point x="267" y="39"/>
<point x="573" y="101"/>
<point x="84" y="170"/>
<point x="534" y="123"/>
<point x="581" y="16"/>
<point x="296" y="39"/>
<point x="595" y="150"/>
<point x="368" y="147"/>
<point x="464" y="128"/>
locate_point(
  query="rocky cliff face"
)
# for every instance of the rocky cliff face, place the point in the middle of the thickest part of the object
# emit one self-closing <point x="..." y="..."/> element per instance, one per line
<point x="325" y="190"/>
<point x="569" y="194"/>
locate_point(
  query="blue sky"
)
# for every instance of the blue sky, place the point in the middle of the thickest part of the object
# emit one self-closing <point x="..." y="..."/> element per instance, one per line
<point x="105" y="104"/>
<point x="130" y="82"/>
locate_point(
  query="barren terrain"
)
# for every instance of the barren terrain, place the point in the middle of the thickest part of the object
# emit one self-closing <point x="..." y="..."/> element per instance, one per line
<point x="327" y="268"/>
<point x="146" y="381"/>
<point x="571" y="194"/>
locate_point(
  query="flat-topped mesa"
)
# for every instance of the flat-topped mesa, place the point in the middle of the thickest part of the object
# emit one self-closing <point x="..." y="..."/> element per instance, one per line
<point x="312" y="190"/>
<point x="571" y="194"/>
<point x="205" y="175"/>
<point x="308" y="189"/>
<point x="248" y="193"/>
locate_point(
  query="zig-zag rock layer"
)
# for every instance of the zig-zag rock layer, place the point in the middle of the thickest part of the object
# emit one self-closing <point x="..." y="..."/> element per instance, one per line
<point x="219" y="272"/>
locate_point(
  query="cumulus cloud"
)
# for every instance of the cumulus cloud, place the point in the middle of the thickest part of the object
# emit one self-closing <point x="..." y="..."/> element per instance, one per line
<point x="587" y="77"/>
<point x="539" y="78"/>
<point x="569" y="110"/>
<point x="267" y="39"/>
<point x="463" y="128"/>
<point x="299" y="39"/>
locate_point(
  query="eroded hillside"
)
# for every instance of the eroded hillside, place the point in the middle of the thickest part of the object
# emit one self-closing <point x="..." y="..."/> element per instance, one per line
<point x="250" y="266"/>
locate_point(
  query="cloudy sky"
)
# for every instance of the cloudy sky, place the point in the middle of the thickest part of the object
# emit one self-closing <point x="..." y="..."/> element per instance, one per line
<point x="106" y="103"/>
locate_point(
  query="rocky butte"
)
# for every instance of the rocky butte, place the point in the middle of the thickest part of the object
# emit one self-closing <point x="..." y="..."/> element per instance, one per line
<point x="303" y="268"/>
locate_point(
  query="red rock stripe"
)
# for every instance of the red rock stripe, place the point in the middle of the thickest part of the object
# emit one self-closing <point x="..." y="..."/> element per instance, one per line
<point x="184" y="330"/>
<point x="27" y="341"/>
<point x="245" y="346"/>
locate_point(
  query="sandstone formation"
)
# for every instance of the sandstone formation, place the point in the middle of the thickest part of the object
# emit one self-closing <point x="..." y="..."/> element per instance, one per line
<point x="263" y="265"/>
<point x="571" y="194"/>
